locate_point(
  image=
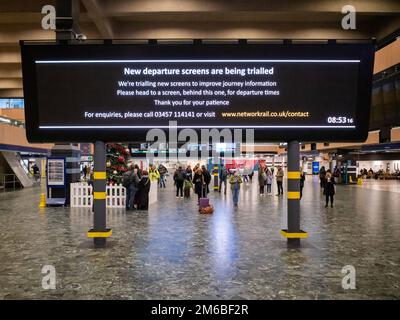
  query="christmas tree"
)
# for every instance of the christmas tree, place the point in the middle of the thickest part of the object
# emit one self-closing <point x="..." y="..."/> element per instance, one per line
<point x="117" y="162"/>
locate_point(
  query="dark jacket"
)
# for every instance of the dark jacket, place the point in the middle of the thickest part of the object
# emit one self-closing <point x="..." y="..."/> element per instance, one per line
<point x="330" y="187"/>
<point x="179" y="175"/>
<point x="198" y="181"/>
<point x="262" y="177"/>
<point x="143" y="193"/>
<point x="207" y="177"/>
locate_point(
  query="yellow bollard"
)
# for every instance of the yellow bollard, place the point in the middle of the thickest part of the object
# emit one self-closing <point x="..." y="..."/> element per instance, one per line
<point x="360" y="181"/>
<point x="42" y="203"/>
<point x="351" y="180"/>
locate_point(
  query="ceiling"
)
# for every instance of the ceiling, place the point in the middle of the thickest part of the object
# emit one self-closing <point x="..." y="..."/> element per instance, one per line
<point x="211" y="19"/>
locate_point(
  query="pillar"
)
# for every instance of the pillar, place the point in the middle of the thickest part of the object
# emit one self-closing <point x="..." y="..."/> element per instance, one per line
<point x="100" y="232"/>
<point x="293" y="233"/>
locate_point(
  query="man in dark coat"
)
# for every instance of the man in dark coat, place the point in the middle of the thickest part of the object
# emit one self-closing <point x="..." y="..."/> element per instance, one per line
<point x="143" y="191"/>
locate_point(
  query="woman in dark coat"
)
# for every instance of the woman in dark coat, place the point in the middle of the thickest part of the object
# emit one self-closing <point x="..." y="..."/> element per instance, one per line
<point x="199" y="184"/>
<point x="143" y="191"/>
<point x="262" y="178"/>
<point x="329" y="190"/>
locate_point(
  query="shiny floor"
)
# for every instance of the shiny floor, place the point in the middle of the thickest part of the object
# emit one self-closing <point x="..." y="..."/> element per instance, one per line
<point x="173" y="252"/>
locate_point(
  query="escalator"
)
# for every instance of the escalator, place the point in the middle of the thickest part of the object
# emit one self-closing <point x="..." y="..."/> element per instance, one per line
<point x="18" y="168"/>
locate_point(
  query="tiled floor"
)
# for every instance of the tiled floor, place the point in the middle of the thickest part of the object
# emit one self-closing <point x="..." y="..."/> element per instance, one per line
<point x="172" y="252"/>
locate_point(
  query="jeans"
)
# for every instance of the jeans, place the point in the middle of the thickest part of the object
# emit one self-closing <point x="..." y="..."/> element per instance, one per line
<point x="179" y="188"/>
<point x="280" y="187"/>
<point x="162" y="181"/>
<point x="261" y="189"/>
<point x="269" y="188"/>
<point x="235" y="196"/>
<point x="133" y="191"/>
<point x="128" y="197"/>
<point x="220" y="185"/>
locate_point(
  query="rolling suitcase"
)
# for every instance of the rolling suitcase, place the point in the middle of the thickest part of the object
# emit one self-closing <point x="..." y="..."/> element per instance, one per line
<point x="204" y="202"/>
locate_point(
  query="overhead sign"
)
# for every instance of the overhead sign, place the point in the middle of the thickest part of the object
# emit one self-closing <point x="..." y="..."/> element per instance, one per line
<point x="117" y="92"/>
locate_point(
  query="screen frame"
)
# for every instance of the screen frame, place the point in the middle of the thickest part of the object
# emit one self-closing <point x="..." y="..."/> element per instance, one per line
<point x="31" y="51"/>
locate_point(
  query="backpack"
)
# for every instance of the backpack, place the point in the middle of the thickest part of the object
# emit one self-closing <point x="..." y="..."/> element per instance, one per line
<point x="224" y="173"/>
<point x="180" y="176"/>
<point x="188" y="184"/>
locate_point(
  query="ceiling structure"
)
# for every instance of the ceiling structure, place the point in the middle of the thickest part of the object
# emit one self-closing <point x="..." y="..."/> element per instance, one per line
<point x="201" y="19"/>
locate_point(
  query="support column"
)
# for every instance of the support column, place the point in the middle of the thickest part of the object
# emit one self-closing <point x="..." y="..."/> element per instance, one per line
<point x="216" y="177"/>
<point x="99" y="233"/>
<point x="293" y="233"/>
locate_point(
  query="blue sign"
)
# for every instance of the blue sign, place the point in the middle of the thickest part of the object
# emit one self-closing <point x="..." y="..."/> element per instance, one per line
<point x="315" y="167"/>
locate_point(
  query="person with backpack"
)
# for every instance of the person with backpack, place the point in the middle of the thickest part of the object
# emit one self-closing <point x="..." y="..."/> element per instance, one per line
<point x="143" y="190"/>
<point x="223" y="175"/>
<point x="262" y="179"/>
<point x="207" y="180"/>
<point x="163" y="171"/>
<point x="179" y="178"/>
<point x="235" y="182"/>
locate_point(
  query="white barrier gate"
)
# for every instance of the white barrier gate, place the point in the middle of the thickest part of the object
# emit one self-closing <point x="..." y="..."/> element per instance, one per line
<point x="82" y="195"/>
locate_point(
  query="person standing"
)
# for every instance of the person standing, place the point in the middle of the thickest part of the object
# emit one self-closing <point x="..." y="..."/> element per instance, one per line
<point x="154" y="175"/>
<point x="207" y="180"/>
<point x="36" y="172"/>
<point x="199" y="185"/>
<point x="272" y="169"/>
<point x="279" y="181"/>
<point x="126" y="182"/>
<point x="179" y="178"/>
<point x="143" y="191"/>
<point x="322" y="177"/>
<point x="223" y="176"/>
<point x="329" y="189"/>
<point x="245" y="174"/>
<point x="187" y="186"/>
<point x="262" y="179"/>
<point x="189" y="173"/>
<point x="269" y="181"/>
<point x="302" y="179"/>
<point x="134" y="183"/>
<point x="163" y="171"/>
<point x="235" y="182"/>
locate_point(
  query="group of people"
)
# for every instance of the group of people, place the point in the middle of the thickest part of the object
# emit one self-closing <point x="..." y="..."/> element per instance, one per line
<point x="137" y="183"/>
<point x="199" y="178"/>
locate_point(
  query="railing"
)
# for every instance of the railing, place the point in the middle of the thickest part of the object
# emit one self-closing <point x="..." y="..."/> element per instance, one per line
<point x="7" y="181"/>
<point x="82" y="196"/>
